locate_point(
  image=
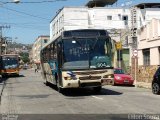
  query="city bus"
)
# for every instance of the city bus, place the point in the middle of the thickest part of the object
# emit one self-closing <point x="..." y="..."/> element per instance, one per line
<point x="79" y="59"/>
<point x="9" y="65"/>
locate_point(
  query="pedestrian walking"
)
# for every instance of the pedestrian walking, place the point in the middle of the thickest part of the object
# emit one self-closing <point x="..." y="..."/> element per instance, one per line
<point x="36" y="68"/>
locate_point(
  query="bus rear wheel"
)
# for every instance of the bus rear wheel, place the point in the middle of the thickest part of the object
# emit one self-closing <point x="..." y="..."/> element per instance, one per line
<point x="97" y="89"/>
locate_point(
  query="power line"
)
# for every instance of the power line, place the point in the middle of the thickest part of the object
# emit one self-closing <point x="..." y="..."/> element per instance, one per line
<point x="24" y="13"/>
<point x="44" y="1"/>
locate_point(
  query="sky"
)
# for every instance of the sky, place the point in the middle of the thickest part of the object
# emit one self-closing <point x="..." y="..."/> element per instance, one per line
<point x="28" y="20"/>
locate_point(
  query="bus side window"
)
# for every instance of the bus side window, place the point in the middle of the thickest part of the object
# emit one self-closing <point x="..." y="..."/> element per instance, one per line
<point x="47" y="53"/>
<point x="52" y="51"/>
<point x="55" y="51"/>
<point x="59" y="54"/>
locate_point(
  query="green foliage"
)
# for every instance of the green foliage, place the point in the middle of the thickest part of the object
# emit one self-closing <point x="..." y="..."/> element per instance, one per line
<point x="24" y="57"/>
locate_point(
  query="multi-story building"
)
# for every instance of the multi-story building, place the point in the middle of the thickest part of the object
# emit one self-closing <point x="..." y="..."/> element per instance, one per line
<point x="146" y="30"/>
<point x="37" y="46"/>
<point x="71" y="18"/>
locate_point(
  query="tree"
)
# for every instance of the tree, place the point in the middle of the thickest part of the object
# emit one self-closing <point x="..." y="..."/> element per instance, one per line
<point x="25" y="57"/>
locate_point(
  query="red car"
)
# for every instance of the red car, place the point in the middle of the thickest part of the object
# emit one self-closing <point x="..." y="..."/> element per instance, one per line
<point x="121" y="78"/>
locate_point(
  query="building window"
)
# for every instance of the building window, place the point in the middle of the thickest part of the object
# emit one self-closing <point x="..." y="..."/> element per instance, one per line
<point x="125" y="19"/>
<point x="109" y="17"/>
<point x="45" y="40"/>
<point x="146" y="57"/>
<point x="119" y="15"/>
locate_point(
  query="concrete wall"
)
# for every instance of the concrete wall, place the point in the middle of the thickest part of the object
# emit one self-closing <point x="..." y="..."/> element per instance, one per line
<point x="145" y="73"/>
<point x="125" y="60"/>
<point x="146" y="15"/>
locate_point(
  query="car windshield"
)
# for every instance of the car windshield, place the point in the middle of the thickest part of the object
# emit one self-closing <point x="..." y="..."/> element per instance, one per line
<point x="85" y="53"/>
<point x="118" y="71"/>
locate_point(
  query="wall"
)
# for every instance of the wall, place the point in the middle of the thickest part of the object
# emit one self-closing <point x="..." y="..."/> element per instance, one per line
<point x="149" y="37"/>
<point x="71" y="18"/>
<point x="145" y="73"/>
<point x="125" y="60"/>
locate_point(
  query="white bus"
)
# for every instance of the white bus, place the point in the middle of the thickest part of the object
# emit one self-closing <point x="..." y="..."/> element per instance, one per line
<point x="79" y="59"/>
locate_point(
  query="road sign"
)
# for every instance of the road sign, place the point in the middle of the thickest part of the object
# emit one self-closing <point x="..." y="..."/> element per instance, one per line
<point x="118" y="45"/>
<point x="135" y="52"/>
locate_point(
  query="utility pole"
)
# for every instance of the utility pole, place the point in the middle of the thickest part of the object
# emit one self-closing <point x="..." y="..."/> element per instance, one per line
<point x="1" y="37"/>
<point x="133" y="43"/>
<point x="7" y="41"/>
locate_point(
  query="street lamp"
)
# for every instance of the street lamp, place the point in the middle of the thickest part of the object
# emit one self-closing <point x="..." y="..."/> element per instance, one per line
<point x="16" y="1"/>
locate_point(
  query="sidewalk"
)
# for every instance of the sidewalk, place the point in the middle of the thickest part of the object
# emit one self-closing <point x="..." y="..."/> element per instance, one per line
<point x="143" y="85"/>
<point x="1" y="87"/>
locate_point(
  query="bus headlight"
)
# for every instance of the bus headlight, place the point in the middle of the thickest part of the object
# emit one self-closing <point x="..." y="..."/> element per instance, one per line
<point x="67" y="78"/>
<point x="70" y="78"/>
<point x="108" y="76"/>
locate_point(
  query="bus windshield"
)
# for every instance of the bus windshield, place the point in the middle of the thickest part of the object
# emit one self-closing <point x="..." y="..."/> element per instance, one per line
<point x="10" y="62"/>
<point x="85" y="53"/>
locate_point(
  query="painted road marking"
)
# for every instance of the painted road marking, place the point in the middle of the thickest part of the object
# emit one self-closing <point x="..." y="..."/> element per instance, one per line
<point x="97" y="97"/>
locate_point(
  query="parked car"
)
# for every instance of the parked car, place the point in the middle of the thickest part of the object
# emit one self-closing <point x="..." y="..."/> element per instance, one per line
<point x="120" y="77"/>
<point x="25" y="67"/>
<point x="156" y="82"/>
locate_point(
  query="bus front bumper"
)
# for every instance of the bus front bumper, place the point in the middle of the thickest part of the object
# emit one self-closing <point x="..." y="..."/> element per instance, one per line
<point x="87" y="83"/>
<point x="16" y="72"/>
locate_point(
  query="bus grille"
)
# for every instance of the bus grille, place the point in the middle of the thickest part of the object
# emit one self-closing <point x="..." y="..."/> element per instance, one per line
<point x="90" y="84"/>
<point x="90" y="72"/>
<point x="90" y="78"/>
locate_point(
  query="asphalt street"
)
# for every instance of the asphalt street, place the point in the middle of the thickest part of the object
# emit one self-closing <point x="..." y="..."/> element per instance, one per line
<point x="27" y="95"/>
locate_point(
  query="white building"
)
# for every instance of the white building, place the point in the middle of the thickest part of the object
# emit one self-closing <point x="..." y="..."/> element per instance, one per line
<point x="149" y="43"/>
<point x="71" y="18"/>
<point x="148" y="39"/>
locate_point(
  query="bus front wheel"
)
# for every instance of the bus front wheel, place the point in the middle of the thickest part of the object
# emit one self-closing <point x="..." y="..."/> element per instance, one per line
<point x="60" y="90"/>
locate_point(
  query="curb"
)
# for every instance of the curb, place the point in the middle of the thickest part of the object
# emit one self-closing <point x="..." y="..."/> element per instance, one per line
<point x="2" y="84"/>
